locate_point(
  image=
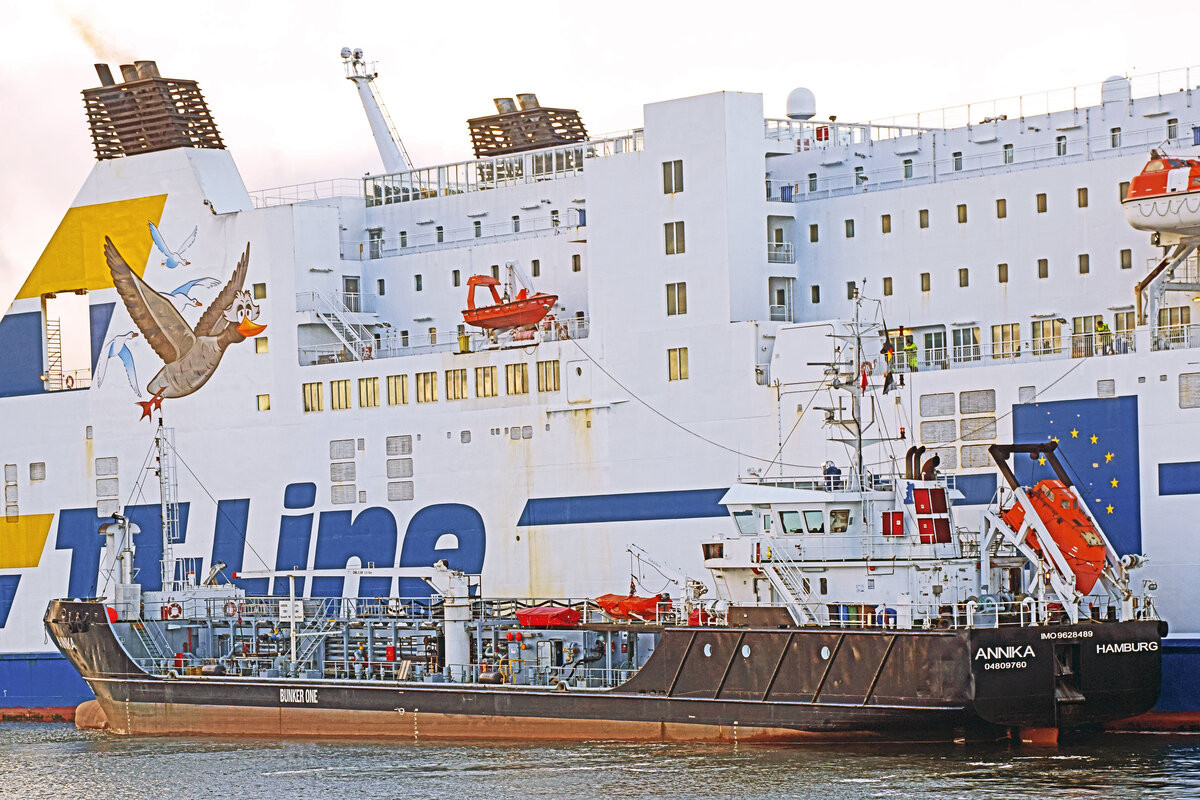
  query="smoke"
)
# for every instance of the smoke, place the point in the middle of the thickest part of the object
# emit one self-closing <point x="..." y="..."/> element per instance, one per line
<point x="101" y="48"/>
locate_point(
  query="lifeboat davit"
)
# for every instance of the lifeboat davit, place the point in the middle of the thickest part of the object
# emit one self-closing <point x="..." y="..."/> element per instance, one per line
<point x="524" y="309"/>
<point x="1071" y="529"/>
<point x="1165" y="196"/>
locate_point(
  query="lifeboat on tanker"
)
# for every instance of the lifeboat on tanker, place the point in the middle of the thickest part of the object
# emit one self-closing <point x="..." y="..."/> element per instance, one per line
<point x="1071" y="528"/>
<point x="1165" y="197"/>
<point x="525" y="308"/>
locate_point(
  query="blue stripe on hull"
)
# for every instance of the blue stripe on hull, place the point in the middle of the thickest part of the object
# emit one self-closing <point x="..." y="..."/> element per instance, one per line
<point x="633" y="507"/>
<point x="1181" y="676"/>
<point x="40" y="680"/>
<point x="1181" y="477"/>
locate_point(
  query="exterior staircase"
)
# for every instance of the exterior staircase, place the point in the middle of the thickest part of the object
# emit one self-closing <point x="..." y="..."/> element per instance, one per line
<point x="355" y="339"/>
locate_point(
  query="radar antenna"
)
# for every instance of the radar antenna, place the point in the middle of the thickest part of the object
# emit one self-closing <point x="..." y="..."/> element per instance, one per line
<point x="363" y="74"/>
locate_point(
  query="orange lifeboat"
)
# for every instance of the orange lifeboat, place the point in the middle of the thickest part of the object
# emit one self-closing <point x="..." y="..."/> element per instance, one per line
<point x="1071" y="529"/>
<point x="524" y="309"/>
<point x="622" y="607"/>
<point x="1165" y="196"/>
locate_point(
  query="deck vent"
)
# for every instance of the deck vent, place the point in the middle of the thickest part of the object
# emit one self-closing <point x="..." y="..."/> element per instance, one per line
<point x="147" y="113"/>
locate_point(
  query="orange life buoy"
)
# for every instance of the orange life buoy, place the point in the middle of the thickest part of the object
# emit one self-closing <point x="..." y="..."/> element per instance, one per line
<point x="366" y="352"/>
<point x="231" y="609"/>
<point x="174" y="611"/>
<point x="70" y="381"/>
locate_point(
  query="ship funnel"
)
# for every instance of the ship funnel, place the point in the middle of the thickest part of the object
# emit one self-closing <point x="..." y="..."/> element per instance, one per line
<point x="128" y="73"/>
<point x="505" y="105"/>
<point x="528" y="101"/>
<point x="106" y="76"/>
<point x="146" y="69"/>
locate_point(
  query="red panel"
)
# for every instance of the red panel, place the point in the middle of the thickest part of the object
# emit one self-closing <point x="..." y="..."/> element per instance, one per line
<point x="941" y="527"/>
<point x="921" y="498"/>
<point x="937" y="498"/>
<point x="925" y="527"/>
<point x="897" y="523"/>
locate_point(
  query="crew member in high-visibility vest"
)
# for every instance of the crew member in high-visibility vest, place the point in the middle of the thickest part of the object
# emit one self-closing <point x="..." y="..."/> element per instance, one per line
<point x="1105" y="334"/>
<point x="910" y="350"/>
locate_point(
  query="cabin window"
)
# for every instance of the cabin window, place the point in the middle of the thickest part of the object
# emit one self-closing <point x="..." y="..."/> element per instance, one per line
<point x="1114" y="137"/>
<point x="1043" y="268"/>
<point x="745" y="522"/>
<point x="535" y="267"/>
<point x="260" y="291"/>
<point x="672" y="176"/>
<point x="1085" y="264"/>
<point x="963" y="276"/>
<point x="260" y="344"/>
<point x="485" y="382"/>
<point x="1060" y="145"/>
<point x="1006" y="340"/>
<point x="812" y="181"/>
<point x="1008" y="154"/>
<point x="790" y="522"/>
<point x="923" y="217"/>
<point x="478" y="227"/>
<point x="404" y="238"/>
<point x="1123" y="189"/>
<point x="1047" y="336"/>
<point x="887" y="287"/>
<point x="962" y="213"/>
<point x="677" y="364"/>
<point x="1172" y="128"/>
<point x="713" y="550"/>
<point x="554" y="218"/>
<point x="958" y="162"/>
<point x="814" y="521"/>
<point x="812" y="233"/>
<point x="426" y="387"/>
<point x="824" y="586"/>
<point x="839" y="520"/>
<point x="455" y="277"/>
<point x="1001" y="208"/>
<point x="676" y="299"/>
<point x="1081" y="197"/>
<point x="417" y="282"/>
<point x="547" y="380"/>
<point x="368" y="392"/>
<point x="924" y="281"/>
<point x="908" y="168"/>
<point x="1126" y="259"/>
<point x="851" y="290"/>
<point x="397" y="388"/>
<point x="516" y="223"/>
<point x="441" y="234"/>
<point x="859" y="178"/>
<point x="849" y="229"/>
<point x="496" y="271"/>
<point x="404" y="338"/>
<point x="312" y="396"/>
<point x="264" y="402"/>
<point x="1002" y="273"/>
<point x="576" y="262"/>
<point x="816" y="294"/>
<point x="1041" y="203"/>
<point x="456" y="384"/>
<point x="674" y="237"/>
<point x="339" y="395"/>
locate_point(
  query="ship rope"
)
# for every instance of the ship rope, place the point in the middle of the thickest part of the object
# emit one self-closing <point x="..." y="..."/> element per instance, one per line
<point x="236" y="529"/>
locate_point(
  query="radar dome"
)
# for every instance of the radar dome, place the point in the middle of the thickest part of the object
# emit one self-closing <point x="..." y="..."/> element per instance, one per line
<point x="801" y="104"/>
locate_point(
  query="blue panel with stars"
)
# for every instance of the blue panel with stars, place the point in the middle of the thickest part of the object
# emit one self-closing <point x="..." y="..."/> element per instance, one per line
<point x="1098" y="445"/>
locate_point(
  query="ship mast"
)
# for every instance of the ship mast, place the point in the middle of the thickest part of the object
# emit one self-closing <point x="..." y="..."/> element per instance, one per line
<point x="391" y="149"/>
<point x="164" y="446"/>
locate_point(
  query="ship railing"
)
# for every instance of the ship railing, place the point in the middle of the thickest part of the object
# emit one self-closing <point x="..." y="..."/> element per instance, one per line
<point x="496" y="172"/>
<point x="830" y="481"/>
<point x="1176" y="337"/>
<point x="780" y="253"/>
<point x="249" y="609"/>
<point x="307" y="192"/>
<point x="426" y="237"/>
<point x="787" y="551"/>
<point x="1043" y="348"/>
<point x="818" y="134"/>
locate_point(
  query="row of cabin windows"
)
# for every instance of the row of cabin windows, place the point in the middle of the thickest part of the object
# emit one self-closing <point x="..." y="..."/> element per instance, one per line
<point x="516" y="381"/>
<point x="964" y="275"/>
<point x="376" y="234"/>
<point x="796" y="522"/>
<point x="1008" y="150"/>
<point x="1040" y="204"/>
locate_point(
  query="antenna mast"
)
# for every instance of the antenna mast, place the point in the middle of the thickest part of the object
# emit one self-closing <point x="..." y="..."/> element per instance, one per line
<point x="391" y="149"/>
<point x="164" y="445"/>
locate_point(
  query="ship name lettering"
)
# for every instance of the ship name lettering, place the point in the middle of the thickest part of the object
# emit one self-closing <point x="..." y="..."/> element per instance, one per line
<point x="1127" y="647"/>
<point x="1007" y="652"/>
<point x="308" y="696"/>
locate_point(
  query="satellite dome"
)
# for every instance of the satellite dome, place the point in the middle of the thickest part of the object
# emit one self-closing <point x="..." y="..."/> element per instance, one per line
<point x="801" y="104"/>
<point x="1115" y="89"/>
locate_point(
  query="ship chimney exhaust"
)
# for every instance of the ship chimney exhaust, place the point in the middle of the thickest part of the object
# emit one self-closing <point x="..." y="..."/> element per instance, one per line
<point x="128" y="73"/>
<point x="528" y="101"/>
<point x="505" y="105"/>
<point x="106" y="76"/>
<point x="146" y="69"/>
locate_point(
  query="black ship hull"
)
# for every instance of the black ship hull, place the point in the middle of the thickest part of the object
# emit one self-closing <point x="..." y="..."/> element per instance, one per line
<point x="743" y="684"/>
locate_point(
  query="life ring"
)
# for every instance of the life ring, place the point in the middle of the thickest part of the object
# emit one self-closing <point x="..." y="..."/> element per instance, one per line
<point x="231" y="609"/>
<point x="70" y="381"/>
<point x="174" y="611"/>
<point x="366" y="352"/>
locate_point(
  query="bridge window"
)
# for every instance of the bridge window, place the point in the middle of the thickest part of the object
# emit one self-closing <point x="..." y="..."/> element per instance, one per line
<point x="814" y="521"/>
<point x="839" y="520"/>
<point x="790" y="521"/>
<point x="745" y="522"/>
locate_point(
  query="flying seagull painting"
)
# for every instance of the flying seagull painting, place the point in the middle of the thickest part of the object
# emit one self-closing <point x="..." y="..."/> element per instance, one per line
<point x="190" y="355"/>
<point x="172" y="258"/>
<point x="118" y="347"/>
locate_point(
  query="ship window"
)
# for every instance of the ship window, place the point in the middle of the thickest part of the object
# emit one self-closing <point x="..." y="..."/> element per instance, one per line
<point x="824" y="590"/>
<point x="485" y="382"/>
<point x="433" y="336"/>
<point x="339" y="395"/>
<point x="908" y="168"/>
<point x="404" y="238"/>
<point x="851" y="290"/>
<point x="397" y="388"/>
<point x="368" y="392"/>
<point x="1114" y="137"/>
<point x="963" y="276"/>
<point x="1041" y="203"/>
<point x="937" y="405"/>
<point x="404" y="338"/>
<point x="674" y="237"/>
<point x="417" y="282"/>
<point x="516" y="223"/>
<point x="713" y="550"/>
<point x="535" y="267"/>
<point x="886" y="223"/>
<point x="554" y="218"/>
<point x="37" y="471"/>
<point x="576" y="262"/>
<point x="456" y="384"/>
<point x="790" y="522"/>
<point x="1060" y="145"/>
<point x="426" y="387"/>
<point x="516" y="378"/>
<point x="547" y="376"/>
<point x="1002" y="273"/>
<point x="812" y="181"/>
<point x="455" y="277"/>
<point x="676" y="299"/>
<point x="924" y="281"/>
<point x="816" y="294"/>
<point x="313" y="396"/>
<point x="814" y="521"/>
<point x="1008" y="154"/>
<point x="962" y="213"/>
<point x="923" y="216"/>
<point x="1001" y="208"/>
<point x="887" y="287"/>
<point x="260" y="291"/>
<point x="478" y="227"/>
<point x="677" y="364"/>
<point x="958" y="162"/>
<point x="859" y="178"/>
<point x="1047" y="336"/>
<point x="264" y="402"/>
<point x="672" y="176"/>
<point x="1126" y="259"/>
<point x="812" y="233"/>
<point x="1043" y="268"/>
<point x="440" y="233"/>
<point x="745" y="522"/>
<point x="1123" y="190"/>
<point x="849" y="229"/>
<point x="1081" y="197"/>
<point x="1006" y="340"/>
<point x="496" y="271"/>
<point x="1172" y="128"/>
<point x="839" y="520"/>
<point x="260" y="344"/>
<point x="1085" y="265"/>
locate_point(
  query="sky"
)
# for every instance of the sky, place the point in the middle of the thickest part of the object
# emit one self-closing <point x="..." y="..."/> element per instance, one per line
<point x="273" y="78"/>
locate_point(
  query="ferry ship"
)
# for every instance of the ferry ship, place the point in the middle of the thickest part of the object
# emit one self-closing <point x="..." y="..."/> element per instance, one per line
<point x="310" y="342"/>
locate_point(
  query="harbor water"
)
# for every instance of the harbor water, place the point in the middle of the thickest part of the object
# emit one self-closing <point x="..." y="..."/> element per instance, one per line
<point x="58" y="761"/>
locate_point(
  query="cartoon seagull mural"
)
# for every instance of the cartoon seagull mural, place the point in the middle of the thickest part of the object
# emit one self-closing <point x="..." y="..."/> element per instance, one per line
<point x="118" y="347"/>
<point x="172" y="258"/>
<point x="190" y="355"/>
<point x="182" y="298"/>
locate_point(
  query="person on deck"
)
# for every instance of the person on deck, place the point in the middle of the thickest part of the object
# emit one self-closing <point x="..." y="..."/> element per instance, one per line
<point x="910" y="351"/>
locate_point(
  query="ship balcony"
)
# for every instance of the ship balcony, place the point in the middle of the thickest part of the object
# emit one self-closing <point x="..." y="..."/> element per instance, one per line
<point x="781" y="253"/>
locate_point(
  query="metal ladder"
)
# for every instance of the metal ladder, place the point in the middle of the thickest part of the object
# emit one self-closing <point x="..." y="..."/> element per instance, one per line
<point x="152" y="645"/>
<point x="54" y="370"/>
<point x="333" y="314"/>
<point x="788" y="583"/>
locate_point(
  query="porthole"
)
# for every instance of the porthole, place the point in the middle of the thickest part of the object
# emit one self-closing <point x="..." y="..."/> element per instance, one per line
<point x="824" y="653"/>
<point x="707" y="650"/>
<point x="745" y="651"/>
